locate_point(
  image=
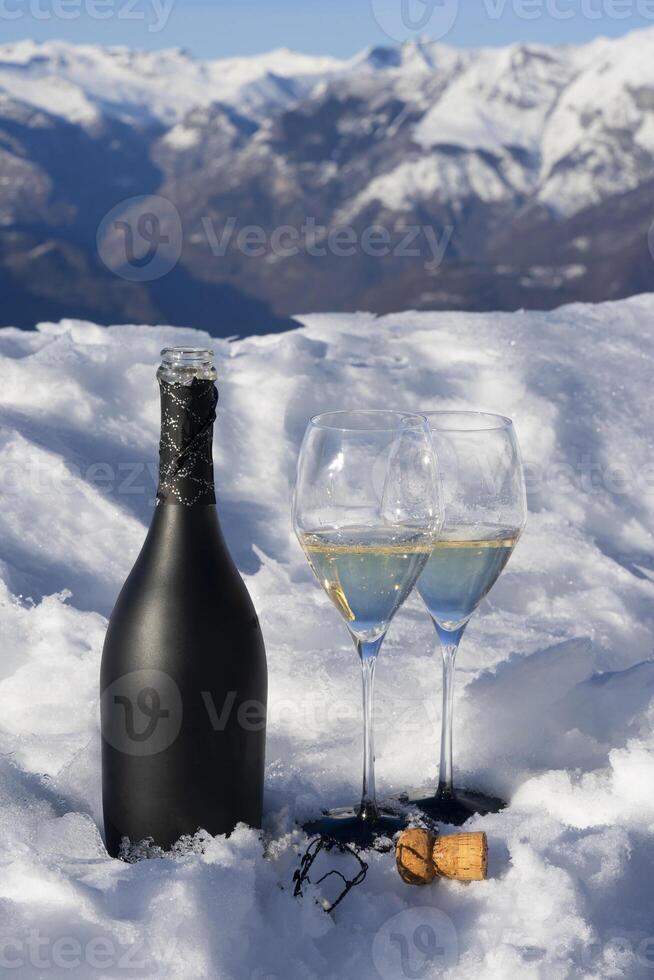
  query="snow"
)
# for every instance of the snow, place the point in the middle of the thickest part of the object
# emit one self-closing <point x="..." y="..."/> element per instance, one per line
<point x="446" y="179"/>
<point x="573" y="111"/>
<point x="82" y="82"/>
<point x="562" y="126"/>
<point x="182" y="137"/>
<point x="503" y="99"/>
<point x="555" y="687"/>
<point x="609" y="101"/>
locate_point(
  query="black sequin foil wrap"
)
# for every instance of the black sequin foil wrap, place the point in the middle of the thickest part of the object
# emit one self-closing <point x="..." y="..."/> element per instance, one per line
<point x="188" y="412"/>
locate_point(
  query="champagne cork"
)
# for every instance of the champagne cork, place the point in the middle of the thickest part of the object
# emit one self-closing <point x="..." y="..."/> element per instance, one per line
<point x="462" y="856"/>
<point x="421" y="857"/>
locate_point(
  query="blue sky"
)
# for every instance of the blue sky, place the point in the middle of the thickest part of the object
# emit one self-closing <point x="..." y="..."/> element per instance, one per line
<point x="216" y="28"/>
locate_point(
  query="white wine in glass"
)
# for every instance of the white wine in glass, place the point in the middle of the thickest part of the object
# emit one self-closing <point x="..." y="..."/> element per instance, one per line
<point x="462" y="569"/>
<point x="367" y="512"/>
<point x="484" y="513"/>
<point x="366" y="573"/>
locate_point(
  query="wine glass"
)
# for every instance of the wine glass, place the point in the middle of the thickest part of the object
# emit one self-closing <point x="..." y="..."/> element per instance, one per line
<point x="366" y="511"/>
<point x="485" y="511"/>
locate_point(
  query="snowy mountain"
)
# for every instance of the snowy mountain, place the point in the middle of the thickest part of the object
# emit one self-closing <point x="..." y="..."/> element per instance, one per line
<point x="85" y="83"/>
<point x="555" y="677"/>
<point x="532" y="166"/>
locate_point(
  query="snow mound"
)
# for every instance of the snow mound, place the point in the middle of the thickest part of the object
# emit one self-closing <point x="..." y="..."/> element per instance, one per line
<point x="555" y="691"/>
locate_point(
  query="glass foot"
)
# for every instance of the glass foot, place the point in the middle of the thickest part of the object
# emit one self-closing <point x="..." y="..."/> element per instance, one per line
<point x="455" y="809"/>
<point x="347" y="827"/>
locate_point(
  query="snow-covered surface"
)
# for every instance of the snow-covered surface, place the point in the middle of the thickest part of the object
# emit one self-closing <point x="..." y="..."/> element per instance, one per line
<point x="555" y="692"/>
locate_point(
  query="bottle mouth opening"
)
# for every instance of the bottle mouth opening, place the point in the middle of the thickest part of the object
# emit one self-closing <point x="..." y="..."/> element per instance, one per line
<point x="186" y="355"/>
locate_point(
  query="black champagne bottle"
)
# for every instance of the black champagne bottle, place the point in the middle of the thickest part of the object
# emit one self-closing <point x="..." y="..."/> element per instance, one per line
<point x="183" y="678"/>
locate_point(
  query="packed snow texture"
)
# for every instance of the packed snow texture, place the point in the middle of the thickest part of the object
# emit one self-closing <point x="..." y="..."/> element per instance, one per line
<point x="555" y="686"/>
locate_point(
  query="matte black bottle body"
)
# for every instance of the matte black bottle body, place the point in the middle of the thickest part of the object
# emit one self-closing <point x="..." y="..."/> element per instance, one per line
<point x="184" y="688"/>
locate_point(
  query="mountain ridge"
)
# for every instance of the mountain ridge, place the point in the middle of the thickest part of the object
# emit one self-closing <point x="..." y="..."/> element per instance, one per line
<point x="515" y="149"/>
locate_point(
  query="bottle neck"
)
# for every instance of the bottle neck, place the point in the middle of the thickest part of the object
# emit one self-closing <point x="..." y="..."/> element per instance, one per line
<point x="188" y="412"/>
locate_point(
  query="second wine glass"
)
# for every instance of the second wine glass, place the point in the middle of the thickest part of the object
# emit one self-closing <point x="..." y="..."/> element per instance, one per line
<point x="484" y="513"/>
<point x="367" y="512"/>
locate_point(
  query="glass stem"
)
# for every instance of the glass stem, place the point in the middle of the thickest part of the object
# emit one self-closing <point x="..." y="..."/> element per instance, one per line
<point x="450" y="640"/>
<point x="368" y="654"/>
